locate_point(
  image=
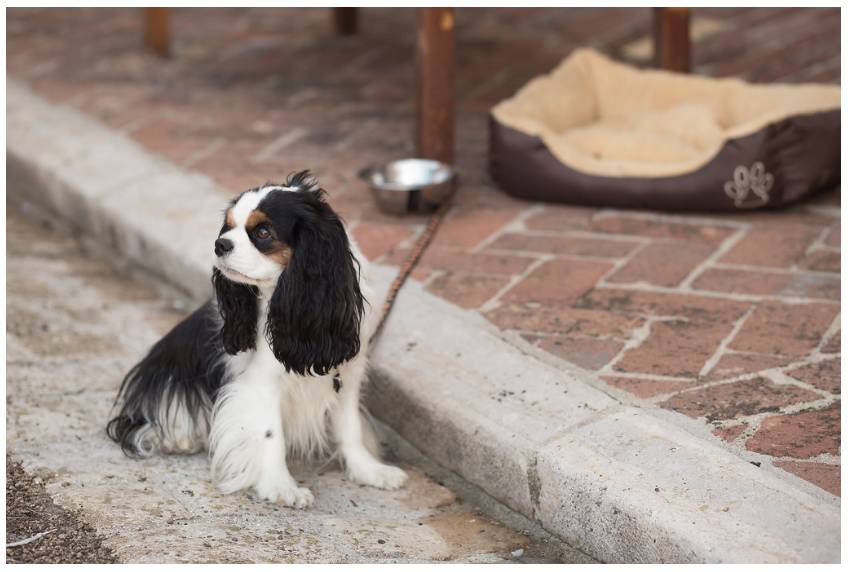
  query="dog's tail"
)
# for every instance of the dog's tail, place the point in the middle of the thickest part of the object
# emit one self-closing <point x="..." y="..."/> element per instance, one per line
<point x="154" y="413"/>
<point x="165" y="401"/>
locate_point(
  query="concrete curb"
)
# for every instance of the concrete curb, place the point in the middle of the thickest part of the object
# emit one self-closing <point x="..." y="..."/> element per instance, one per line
<point x="610" y="479"/>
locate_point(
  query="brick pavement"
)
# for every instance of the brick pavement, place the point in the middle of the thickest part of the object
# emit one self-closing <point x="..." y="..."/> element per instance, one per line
<point x="732" y="320"/>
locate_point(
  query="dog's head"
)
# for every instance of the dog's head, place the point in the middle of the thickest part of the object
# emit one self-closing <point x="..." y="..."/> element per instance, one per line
<point x="287" y="241"/>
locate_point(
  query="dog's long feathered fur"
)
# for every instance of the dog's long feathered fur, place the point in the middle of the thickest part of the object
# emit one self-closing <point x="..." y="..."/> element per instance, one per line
<point x="179" y="378"/>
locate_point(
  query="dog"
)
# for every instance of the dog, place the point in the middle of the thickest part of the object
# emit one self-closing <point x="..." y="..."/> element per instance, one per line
<point x="272" y="365"/>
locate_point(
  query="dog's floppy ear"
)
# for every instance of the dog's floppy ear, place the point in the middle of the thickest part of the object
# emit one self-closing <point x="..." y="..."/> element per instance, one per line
<point x="316" y="310"/>
<point x="237" y="304"/>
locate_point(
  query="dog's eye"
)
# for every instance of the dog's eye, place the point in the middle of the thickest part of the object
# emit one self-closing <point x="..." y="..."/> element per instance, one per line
<point x="262" y="232"/>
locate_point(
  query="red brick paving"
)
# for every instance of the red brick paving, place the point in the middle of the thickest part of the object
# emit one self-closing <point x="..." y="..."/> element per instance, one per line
<point x="658" y="228"/>
<point x="558" y="280"/>
<point x="822" y="475"/>
<point x="737" y="364"/>
<point x="662" y="263"/>
<point x="800" y="285"/>
<point x="731" y="433"/>
<point x="734" y="318"/>
<point x="677" y="348"/>
<point x="742" y="281"/>
<point x="800" y="435"/>
<point x="832" y="346"/>
<point x="738" y="399"/>
<point x="785" y="329"/>
<point x="645" y="388"/>
<point x="562" y="219"/>
<point x="564" y="319"/>
<point x="459" y="260"/>
<point x="469" y="228"/>
<point x="562" y="245"/>
<point x="833" y="238"/>
<point x="589" y="353"/>
<point x="377" y="239"/>
<point x="666" y="304"/>
<point x="823" y="375"/>
<point x="467" y="290"/>
<point x="822" y="260"/>
<point x="773" y="246"/>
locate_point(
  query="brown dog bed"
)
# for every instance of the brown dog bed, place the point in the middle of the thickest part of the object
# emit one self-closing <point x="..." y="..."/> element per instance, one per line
<point x="596" y="132"/>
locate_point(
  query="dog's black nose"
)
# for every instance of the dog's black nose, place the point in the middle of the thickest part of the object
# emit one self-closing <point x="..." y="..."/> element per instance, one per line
<point x="222" y="246"/>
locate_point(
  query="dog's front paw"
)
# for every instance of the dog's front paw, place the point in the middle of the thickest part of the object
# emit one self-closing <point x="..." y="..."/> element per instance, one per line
<point x="378" y="475"/>
<point x="286" y="493"/>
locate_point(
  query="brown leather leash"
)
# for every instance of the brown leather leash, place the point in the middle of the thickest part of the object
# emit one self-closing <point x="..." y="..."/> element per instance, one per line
<point x="411" y="262"/>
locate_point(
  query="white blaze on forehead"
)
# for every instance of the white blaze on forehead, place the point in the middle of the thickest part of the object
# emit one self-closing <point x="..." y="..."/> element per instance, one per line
<point x="250" y="200"/>
<point x="246" y="204"/>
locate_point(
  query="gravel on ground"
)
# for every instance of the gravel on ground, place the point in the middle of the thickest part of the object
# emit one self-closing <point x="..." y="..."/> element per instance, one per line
<point x="30" y="511"/>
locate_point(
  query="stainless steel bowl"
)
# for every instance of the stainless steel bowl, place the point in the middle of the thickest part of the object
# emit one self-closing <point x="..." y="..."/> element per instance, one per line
<point x="410" y="185"/>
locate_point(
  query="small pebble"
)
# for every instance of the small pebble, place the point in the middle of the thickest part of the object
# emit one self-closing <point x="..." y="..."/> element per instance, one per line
<point x="517" y="553"/>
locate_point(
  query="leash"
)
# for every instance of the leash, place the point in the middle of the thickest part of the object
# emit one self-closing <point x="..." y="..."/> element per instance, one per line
<point x="423" y="242"/>
<point x="411" y="262"/>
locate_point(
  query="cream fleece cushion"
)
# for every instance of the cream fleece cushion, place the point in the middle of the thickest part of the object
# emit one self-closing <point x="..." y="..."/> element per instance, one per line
<point x="605" y="118"/>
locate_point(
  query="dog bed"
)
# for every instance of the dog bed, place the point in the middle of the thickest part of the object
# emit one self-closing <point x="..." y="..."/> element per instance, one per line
<point x="596" y="132"/>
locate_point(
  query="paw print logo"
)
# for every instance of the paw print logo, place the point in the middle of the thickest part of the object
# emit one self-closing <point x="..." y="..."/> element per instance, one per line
<point x="750" y="187"/>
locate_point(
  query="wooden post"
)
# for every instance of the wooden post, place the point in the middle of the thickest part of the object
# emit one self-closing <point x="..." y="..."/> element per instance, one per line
<point x="671" y="36"/>
<point x="436" y="97"/>
<point x="156" y="34"/>
<point x="345" y="21"/>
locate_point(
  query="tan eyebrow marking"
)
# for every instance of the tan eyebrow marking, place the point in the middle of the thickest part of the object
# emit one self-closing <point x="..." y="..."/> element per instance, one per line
<point x="256" y="218"/>
<point x="279" y="252"/>
<point x="230" y="218"/>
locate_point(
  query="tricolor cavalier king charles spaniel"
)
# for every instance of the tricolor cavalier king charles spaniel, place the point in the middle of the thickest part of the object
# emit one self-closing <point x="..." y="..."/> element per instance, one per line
<point x="273" y="365"/>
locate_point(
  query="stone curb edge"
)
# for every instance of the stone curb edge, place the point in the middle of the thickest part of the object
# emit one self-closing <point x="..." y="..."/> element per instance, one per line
<point x="610" y="479"/>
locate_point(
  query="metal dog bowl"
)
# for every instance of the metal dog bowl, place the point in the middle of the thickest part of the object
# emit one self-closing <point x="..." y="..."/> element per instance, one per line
<point x="410" y="185"/>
